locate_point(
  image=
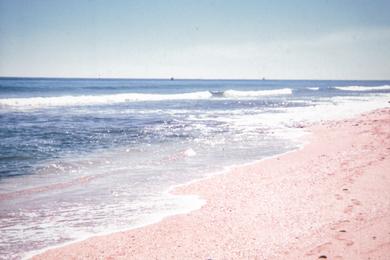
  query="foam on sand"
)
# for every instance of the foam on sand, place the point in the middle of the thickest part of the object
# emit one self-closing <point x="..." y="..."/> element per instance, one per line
<point x="363" y="88"/>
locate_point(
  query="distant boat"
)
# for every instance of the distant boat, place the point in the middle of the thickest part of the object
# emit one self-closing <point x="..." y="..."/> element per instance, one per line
<point x="263" y="78"/>
<point x="172" y="78"/>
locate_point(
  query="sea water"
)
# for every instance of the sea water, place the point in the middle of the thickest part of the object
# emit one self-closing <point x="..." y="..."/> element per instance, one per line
<point x="80" y="157"/>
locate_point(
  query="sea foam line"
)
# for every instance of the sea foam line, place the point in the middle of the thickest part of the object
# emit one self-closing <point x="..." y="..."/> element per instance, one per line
<point x="363" y="88"/>
<point x="257" y="93"/>
<point x="84" y="100"/>
<point x="99" y="100"/>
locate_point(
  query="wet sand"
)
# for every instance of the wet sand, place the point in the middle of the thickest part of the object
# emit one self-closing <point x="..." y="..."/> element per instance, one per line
<point x="329" y="200"/>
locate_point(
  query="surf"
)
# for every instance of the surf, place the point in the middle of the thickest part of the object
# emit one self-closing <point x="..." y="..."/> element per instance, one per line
<point x="99" y="100"/>
<point x="363" y="88"/>
<point x="256" y="93"/>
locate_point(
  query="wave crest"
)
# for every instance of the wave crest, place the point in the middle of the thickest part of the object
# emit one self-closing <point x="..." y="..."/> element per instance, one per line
<point x="258" y="93"/>
<point x="363" y="88"/>
<point x="98" y="100"/>
<point x="85" y="100"/>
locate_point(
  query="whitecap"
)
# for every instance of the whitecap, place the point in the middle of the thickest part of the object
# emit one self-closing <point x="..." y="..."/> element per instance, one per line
<point x="189" y="152"/>
<point x="99" y="99"/>
<point x="258" y="93"/>
<point x="363" y="88"/>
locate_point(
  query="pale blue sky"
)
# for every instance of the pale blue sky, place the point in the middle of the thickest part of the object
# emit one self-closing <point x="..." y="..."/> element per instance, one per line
<point x="332" y="39"/>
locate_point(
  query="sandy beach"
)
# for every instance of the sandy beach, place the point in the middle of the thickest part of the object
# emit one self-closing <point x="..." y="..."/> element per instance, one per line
<point x="329" y="200"/>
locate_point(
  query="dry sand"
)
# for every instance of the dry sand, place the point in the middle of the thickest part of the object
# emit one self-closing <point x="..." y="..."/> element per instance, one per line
<point x="329" y="200"/>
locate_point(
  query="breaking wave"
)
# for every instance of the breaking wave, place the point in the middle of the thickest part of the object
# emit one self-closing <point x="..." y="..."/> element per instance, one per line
<point x="99" y="100"/>
<point x="35" y="102"/>
<point x="258" y="93"/>
<point x="363" y="88"/>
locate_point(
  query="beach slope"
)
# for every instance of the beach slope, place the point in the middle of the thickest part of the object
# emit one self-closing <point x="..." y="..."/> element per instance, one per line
<point x="329" y="200"/>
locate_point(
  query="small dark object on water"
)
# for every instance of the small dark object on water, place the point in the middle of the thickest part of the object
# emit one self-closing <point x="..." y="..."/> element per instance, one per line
<point x="323" y="257"/>
<point x="343" y="231"/>
<point x="172" y="78"/>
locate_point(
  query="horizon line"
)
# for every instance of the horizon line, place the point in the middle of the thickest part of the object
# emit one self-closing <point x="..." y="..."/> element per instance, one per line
<point x="173" y="78"/>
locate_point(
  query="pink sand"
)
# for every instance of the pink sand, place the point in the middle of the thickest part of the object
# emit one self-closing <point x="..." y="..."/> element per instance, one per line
<point x="330" y="200"/>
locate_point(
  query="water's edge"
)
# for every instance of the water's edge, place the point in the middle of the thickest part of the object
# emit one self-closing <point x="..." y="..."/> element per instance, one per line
<point x="196" y="200"/>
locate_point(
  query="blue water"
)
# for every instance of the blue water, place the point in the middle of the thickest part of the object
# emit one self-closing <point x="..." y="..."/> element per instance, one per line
<point x="84" y="156"/>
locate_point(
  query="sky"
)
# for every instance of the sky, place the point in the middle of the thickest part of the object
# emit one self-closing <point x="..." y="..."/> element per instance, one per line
<point x="230" y="39"/>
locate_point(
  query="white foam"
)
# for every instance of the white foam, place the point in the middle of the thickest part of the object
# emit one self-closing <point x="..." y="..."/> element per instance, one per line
<point x="314" y="88"/>
<point x="335" y="108"/>
<point x="285" y="122"/>
<point x="99" y="100"/>
<point x="363" y="88"/>
<point x="189" y="152"/>
<point x="184" y="204"/>
<point x="258" y="93"/>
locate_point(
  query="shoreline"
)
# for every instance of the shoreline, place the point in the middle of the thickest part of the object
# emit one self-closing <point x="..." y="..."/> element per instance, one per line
<point x="158" y="217"/>
<point x="252" y="226"/>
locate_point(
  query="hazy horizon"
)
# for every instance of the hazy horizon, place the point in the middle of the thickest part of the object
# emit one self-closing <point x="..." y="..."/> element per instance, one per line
<point x="173" y="78"/>
<point x="322" y="40"/>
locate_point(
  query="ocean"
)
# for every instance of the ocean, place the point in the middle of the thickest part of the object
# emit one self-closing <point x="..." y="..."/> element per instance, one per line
<point x="81" y="157"/>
